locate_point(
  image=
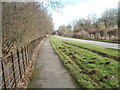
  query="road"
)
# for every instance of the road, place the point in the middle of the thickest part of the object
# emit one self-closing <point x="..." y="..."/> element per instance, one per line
<point x="104" y="44"/>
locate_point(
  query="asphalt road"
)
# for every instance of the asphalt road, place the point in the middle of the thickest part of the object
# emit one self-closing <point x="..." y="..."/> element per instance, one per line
<point x="104" y="44"/>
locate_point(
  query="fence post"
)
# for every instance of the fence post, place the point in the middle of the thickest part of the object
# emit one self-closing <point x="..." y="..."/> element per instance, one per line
<point x="31" y="53"/>
<point x="28" y="54"/>
<point x="25" y="55"/>
<point x="3" y="74"/>
<point x="13" y="69"/>
<point x="23" y="59"/>
<point x="19" y="63"/>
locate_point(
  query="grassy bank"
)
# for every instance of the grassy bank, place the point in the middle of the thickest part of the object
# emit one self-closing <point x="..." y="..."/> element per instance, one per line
<point x="108" y="52"/>
<point x="109" y="41"/>
<point x="89" y="69"/>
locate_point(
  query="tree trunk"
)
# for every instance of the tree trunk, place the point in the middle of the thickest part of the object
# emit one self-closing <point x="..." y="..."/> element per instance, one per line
<point x="105" y="23"/>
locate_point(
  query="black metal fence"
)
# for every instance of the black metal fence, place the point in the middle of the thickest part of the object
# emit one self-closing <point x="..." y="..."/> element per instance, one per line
<point x="15" y="64"/>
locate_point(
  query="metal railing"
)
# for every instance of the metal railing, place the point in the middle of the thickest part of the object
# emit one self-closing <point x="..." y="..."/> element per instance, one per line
<point x="15" y="64"/>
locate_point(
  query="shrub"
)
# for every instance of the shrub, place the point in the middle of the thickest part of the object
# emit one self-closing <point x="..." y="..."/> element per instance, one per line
<point x="97" y="36"/>
<point x="83" y="34"/>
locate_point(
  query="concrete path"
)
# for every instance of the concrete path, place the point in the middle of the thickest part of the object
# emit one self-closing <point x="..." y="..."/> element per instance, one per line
<point x="104" y="44"/>
<point x="49" y="70"/>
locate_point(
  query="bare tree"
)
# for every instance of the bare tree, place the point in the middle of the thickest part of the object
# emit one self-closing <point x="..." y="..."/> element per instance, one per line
<point x="94" y="20"/>
<point x="65" y="31"/>
<point x="24" y="22"/>
<point x="77" y="26"/>
<point x="68" y="32"/>
<point x="61" y="30"/>
<point x="109" y="17"/>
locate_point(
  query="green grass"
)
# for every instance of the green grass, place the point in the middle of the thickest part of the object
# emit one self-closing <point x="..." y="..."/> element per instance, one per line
<point x="88" y="69"/>
<point x="113" y="53"/>
<point x="109" y="41"/>
<point x="34" y="76"/>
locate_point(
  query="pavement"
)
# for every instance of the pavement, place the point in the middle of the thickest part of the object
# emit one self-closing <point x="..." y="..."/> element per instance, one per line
<point x="49" y="71"/>
<point x="104" y="44"/>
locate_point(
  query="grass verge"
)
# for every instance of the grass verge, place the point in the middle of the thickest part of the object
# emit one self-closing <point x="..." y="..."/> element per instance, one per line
<point x="109" y="41"/>
<point x="88" y="69"/>
<point x="107" y="52"/>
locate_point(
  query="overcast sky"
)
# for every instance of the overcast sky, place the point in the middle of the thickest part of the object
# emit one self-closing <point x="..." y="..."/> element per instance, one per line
<point x="75" y="9"/>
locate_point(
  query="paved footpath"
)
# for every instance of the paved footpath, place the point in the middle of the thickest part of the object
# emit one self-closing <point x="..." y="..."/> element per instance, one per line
<point x="50" y="73"/>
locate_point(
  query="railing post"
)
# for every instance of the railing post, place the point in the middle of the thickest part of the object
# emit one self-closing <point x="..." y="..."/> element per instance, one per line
<point x="3" y="74"/>
<point x="30" y="51"/>
<point x="23" y="59"/>
<point x="25" y="55"/>
<point x="13" y="67"/>
<point x="28" y="54"/>
<point x="19" y="63"/>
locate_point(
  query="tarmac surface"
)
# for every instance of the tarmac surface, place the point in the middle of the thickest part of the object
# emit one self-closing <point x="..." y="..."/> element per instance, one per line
<point x="104" y="44"/>
<point x="49" y="71"/>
